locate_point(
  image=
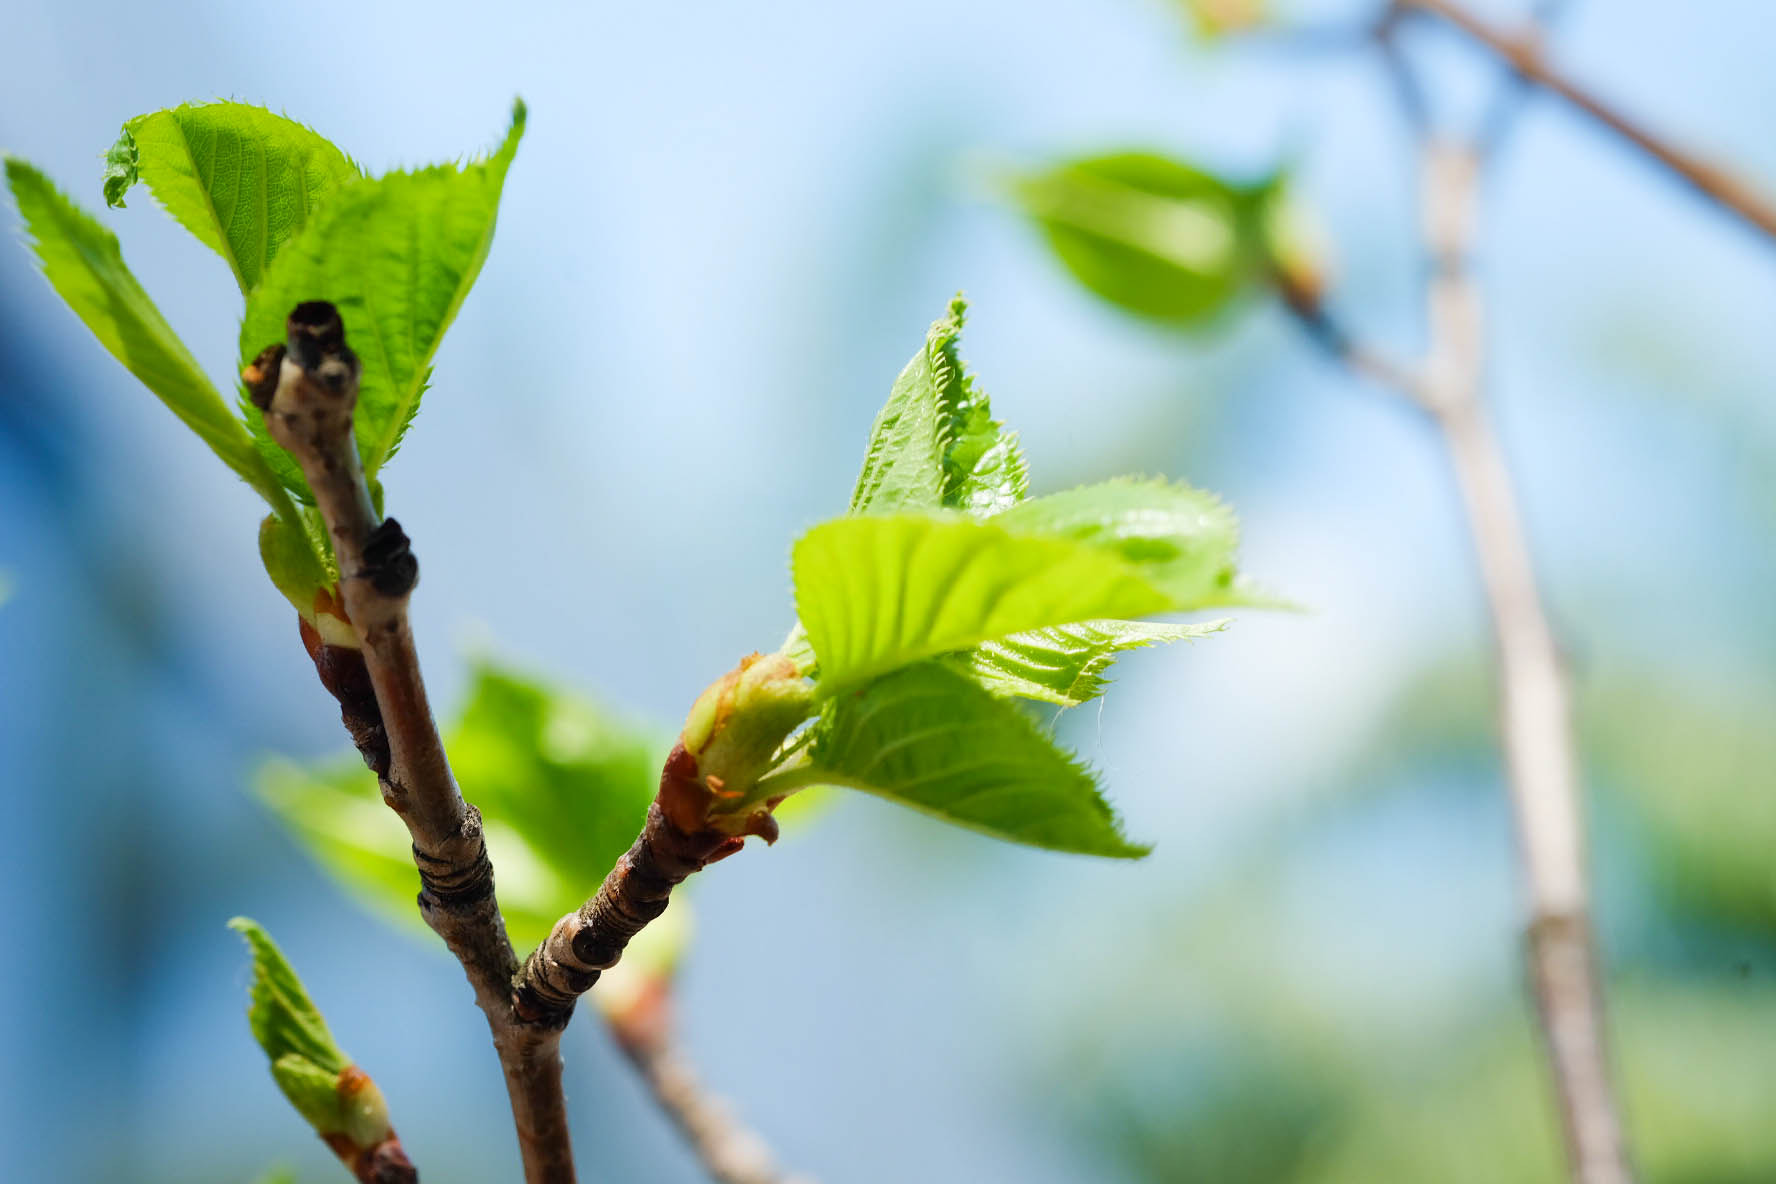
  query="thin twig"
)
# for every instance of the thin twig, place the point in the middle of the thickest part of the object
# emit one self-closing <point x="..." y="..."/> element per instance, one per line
<point x="1357" y="356"/>
<point x="1523" y="55"/>
<point x="675" y="842"/>
<point x="728" y="1151"/>
<point x="1535" y="702"/>
<point x="1508" y="102"/>
<point x="308" y="390"/>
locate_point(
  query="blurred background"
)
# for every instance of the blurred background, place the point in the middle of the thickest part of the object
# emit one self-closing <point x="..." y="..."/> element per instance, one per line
<point x="726" y="230"/>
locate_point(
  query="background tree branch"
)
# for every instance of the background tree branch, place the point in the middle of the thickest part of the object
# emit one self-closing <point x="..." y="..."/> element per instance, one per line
<point x="728" y="1150"/>
<point x="1535" y="711"/>
<point x="1523" y="55"/>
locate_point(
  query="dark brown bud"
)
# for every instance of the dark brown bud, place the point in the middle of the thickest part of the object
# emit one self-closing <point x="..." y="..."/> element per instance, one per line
<point x="315" y="333"/>
<point x="262" y="376"/>
<point x="389" y="561"/>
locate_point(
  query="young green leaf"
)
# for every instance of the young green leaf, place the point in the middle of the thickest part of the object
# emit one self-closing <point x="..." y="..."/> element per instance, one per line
<point x="242" y="179"/>
<point x="935" y="443"/>
<point x="398" y="256"/>
<point x="1183" y="539"/>
<point x="983" y="467"/>
<point x="285" y="1021"/>
<point x="82" y="262"/>
<point x="929" y="738"/>
<point x="334" y="1096"/>
<point x="1155" y="236"/>
<point x="1066" y="664"/>
<point x="564" y="787"/>
<point x="290" y="552"/>
<point x="876" y="593"/>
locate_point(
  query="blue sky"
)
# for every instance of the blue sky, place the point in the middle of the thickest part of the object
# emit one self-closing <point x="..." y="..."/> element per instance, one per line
<point x="727" y="228"/>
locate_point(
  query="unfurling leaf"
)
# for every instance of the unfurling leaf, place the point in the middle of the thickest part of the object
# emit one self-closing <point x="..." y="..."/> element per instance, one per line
<point x="1184" y="540"/>
<point x="335" y="1097"/>
<point x="397" y="255"/>
<point x="929" y="738"/>
<point x="935" y="443"/>
<point x="241" y="179"/>
<point x="1154" y="236"/>
<point x="82" y="262"/>
<point x="1066" y="664"/>
<point x="564" y="788"/>
<point x="877" y="593"/>
<point x="284" y="1019"/>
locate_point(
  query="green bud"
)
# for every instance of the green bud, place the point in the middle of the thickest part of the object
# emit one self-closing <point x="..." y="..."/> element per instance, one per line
<point x="737" y="725"/>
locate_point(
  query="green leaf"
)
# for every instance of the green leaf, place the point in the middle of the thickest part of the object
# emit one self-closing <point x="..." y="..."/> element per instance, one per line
<point x="876" y="593"/>
<point x="935" y="443"/>
<point x="1183" y="539"/>
<point x="312" y="1091"/>
<point x="242" y="179"/>
<point x="1066" y="664"/>
<point x="82" y="262"/>
<point x="984" y="469"/>
<point x="284" y="1019"/>
<point x="1154" y="236"/>
<point x="318" y="1079"/>
<point x="398" y="256"/>
<point x="929" y="738"/>
<point x="563" y="787"/>
<point x="289" y="553"/>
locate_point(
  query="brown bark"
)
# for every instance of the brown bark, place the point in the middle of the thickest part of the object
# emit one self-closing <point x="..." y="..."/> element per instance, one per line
<point x="672" y="846"/>
<point x="307" y="389"/>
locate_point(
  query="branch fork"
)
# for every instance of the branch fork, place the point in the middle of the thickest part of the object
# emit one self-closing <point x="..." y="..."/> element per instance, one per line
<point x="307" y="389"/>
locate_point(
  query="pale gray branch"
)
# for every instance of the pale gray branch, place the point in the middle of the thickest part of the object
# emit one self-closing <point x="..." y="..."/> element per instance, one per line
<point x="1535" y="709"/>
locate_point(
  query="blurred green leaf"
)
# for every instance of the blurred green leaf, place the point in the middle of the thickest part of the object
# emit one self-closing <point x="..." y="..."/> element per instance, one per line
<point x="82" y="262"/>
<point x="935" y="442"/>
<point x="398" y="256"/>
<point x="1699" y="766"/>
<point x="1213" y="19"/>
<point x="1066" y="664"/>
<point x="929" y="738"/>
<point x="563" y="789"/>
<point x="1157" y="237"/>
<point x="241" y="179"/>
<point x="1698" y="1085"/>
